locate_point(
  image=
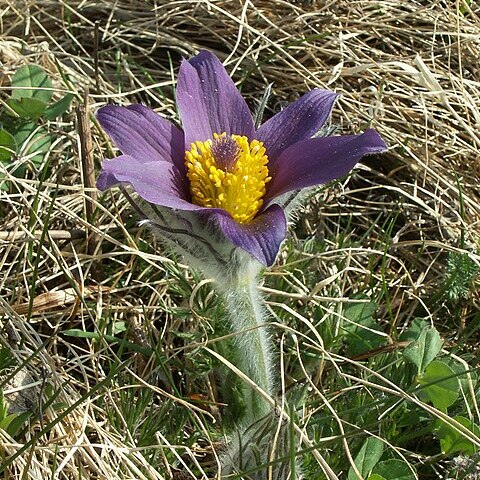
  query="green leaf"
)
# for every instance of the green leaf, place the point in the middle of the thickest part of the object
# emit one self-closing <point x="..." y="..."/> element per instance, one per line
<point x="452" y="441"/>
<point x="394" y="470"/>
<point x="17" y="423"/>
<point x="462" y="376"/>
<point x="7" y="420"/>
<point x="32" y="141"/>
<point x="3" y="407"/>
<point x="367" y="457"/>
<point x="360" y="312"/>
<point x="7" y="360"/>
<point x="414" y="331"/>
<point x="412" y="416"/>
<point x="422" y="351"/>
<point x="119" y="327"/>
<point x="361" y="328"/>
<point x="8" y="145"/>
<point x="376" y="476"/>
<point x="3" y="184"/>
<point x="35" y="77"/>
<point x="460" y="273"/>
<point x="441" y="385"/>
<point x="31" y="108"/>
<point x="58" y="108"/>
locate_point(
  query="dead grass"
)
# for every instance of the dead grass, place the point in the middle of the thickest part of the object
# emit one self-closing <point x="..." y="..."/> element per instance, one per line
<point x="408" y="69"/>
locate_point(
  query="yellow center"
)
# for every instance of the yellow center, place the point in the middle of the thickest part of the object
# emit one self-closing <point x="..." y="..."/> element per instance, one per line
<point x="229" y="173"/>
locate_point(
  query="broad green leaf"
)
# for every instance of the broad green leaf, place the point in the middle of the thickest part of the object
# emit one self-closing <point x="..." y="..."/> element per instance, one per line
<point x="35" y="77"/>
<point x="360" y="312"/>
<point x="361" y="328"/>
<point x="462" y="376"/>
<point x="416" y="328"/>
<point x="441" y="385"/>
<point x="58" y="108"/>
<point x="32" y="141"/>
<point x="452" y="441"/>
<point x="367" y="458"/>
<point x="412" y="416"/>
<point x="119" y="327"/>
<point x="394" y="470"/>
<point x="422" y="351"/>
<point x="8" y="146"/>
<point x="31" y="108"/>
<point x="376" y="476"/>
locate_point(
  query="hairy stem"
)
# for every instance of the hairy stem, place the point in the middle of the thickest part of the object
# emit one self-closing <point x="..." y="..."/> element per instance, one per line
<point x="246" y="314"/>
<point x="260" y="435"/>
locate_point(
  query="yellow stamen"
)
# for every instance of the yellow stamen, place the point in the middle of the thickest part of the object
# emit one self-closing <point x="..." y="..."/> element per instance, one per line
<point x="236" y="184"/>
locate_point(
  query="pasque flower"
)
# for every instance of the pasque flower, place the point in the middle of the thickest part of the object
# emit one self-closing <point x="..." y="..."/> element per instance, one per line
<point x="219" y="166"/>
<point x="218" y="188"/>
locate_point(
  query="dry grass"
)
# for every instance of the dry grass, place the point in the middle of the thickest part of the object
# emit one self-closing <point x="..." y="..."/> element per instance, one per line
<point x="408" y="69"/>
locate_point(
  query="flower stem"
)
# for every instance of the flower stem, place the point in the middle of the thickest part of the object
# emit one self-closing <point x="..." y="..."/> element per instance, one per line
<point x="246" y="314"/>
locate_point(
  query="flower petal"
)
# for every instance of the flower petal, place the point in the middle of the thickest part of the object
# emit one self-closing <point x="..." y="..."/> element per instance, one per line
<point x="209" y="102"/>
<point x="261" y="238"/>
<point x="297" y="122"/>
<point x="160" y="183"/>
<point x="156" y="182"/>
<point x="319" y="160"/>
<point x="138" y="131"/>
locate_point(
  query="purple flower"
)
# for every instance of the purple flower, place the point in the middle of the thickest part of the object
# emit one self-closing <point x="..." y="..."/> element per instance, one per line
<point x="219" y="166"/>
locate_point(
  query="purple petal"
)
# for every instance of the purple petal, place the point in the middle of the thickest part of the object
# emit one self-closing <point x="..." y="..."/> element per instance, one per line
<point x="138" y="131"/>
<point x="209" y="102"/>
<point x="160" y="183"/>
<point x="156" y="182"/>
<point x="319" y="160"/>
<point x="261" y="238"/>
<point x="297" y="122"/>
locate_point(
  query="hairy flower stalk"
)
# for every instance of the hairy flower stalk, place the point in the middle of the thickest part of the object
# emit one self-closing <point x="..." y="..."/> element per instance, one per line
<point x="219" y="192"/>
<point x="247" y="317"/>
